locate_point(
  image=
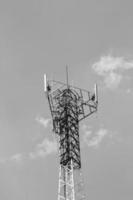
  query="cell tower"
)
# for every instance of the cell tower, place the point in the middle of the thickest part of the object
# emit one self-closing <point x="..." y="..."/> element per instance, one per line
<point x="69" y="105"/>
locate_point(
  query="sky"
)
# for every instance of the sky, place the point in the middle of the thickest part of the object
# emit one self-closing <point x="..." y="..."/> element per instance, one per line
<point x="94" y="38"/>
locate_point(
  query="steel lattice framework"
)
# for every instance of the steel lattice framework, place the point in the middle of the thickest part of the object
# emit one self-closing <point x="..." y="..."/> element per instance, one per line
<point x="69" y="105"/>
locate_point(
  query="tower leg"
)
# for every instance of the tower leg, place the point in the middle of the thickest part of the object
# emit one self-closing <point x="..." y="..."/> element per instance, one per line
<point x="70" y="184"/>
<point x="66" y="183"/>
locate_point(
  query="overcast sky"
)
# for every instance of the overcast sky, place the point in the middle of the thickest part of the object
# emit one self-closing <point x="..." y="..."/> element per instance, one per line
<point x="95" y="39"/>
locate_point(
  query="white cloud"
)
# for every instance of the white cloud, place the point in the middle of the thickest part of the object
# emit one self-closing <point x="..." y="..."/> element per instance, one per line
<point x="97" y="139"/>
<point x="16" y="157"/>
<point x="87" y="133"/>
<point x="94" y="139"/>
<point x="112" y="80"/>
<point x="46" y="147"/>
<point x="129" y="91"/>
<point x="43" y="121"/>
<point x="111" y="69"/>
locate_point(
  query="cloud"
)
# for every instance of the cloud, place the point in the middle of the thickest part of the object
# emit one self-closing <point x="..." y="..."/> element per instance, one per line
<point x="111" y="69"/>
<point x="129" y="91"/>
<point x="16" y="158"/>
<point x="43" y="121"/>
<point x="46" y="147"/>
<point x="112" y="80"/>
<point x="97" y="139"/>
<point x="43" y="149"/>
<point x="87" y="133"/>
<point x="94" y="139"/>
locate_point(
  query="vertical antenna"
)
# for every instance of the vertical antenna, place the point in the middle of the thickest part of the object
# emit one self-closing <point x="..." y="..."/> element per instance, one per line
<point x="67" y="76"/>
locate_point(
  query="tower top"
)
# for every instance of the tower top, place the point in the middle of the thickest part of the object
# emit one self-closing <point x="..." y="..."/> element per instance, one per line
<point x="63" y="94"/>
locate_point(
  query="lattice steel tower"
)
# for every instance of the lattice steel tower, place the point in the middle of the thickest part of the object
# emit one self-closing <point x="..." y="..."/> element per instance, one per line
<point x="69" y="105"/>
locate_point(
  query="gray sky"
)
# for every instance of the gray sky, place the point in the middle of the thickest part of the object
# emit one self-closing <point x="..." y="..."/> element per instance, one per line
<point x="95" y="39"/>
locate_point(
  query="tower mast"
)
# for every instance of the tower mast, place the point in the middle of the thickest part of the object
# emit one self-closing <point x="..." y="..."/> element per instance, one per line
<point x="69" y="105"/>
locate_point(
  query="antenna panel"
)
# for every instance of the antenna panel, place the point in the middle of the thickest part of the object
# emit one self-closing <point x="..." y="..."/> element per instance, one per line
<point x="96" y="93"/>
<point x="45" y="83"/>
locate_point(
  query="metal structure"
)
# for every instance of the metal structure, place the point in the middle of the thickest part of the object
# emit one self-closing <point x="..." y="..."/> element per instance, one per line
<point x="69" y="105"/>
